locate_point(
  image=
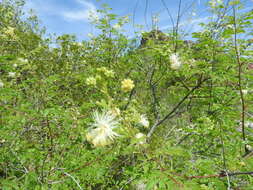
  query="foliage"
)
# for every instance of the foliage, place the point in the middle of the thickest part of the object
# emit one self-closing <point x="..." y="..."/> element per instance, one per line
<point x="181" y="113"/>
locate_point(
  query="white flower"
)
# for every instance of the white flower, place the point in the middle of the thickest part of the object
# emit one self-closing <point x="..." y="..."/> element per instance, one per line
<point x="249" y="124"/>
<point x="144" y="121"/>
<point x="175" y="62"/>
<point x="102" y="132"/>
<point x="249" y="147"/>
<point x="1" y="84"/>
<point x="15" y="65"/>
<point x="116" y="26"/>
<point x="22" y="60"/>
<point x="11" y="74"/>
<point x="245" y="92"/>
<point x="141" y="137"/>
<point x="230" y="26"/>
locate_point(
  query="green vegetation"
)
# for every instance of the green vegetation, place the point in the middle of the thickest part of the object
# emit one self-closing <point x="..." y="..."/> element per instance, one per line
<point x="109" y="114"/>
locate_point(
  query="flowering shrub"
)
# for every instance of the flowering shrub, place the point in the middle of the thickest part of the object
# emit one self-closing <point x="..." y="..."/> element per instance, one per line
<point x="109" y="114"/>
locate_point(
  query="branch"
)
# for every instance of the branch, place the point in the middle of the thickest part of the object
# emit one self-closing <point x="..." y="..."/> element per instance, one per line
<point x="129" y="99"/>
<point x="222" y="174"/>
<point x="155" y="103"/>
<point x="240" y="80"/>
<point x="169" y="115"/>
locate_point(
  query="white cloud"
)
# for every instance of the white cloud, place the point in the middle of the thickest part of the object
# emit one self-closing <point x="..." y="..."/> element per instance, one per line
<point x="39" y="6"/>
<point x="87" y="9"/>
<point x="46" y="7"/>
<point x="76" y="15"/>
<point x="193" y="24"/>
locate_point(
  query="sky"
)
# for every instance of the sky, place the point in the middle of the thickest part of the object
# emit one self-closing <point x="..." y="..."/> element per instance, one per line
<point x="72" y="16"/>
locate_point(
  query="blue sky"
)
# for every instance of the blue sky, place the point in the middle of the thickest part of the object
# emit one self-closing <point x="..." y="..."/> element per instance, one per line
<point x="72" y="16"/>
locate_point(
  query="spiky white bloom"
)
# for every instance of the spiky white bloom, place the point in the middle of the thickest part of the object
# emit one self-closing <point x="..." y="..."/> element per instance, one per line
<point x="101" y="133"/>
<point x="175" y="62"/>
<point x="144" y="121"/>
<point x="1" y="84"/>
<point x="11" y="74"/>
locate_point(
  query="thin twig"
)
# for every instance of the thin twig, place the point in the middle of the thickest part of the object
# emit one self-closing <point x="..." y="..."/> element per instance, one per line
<point x="222" y="174"/>
<point x="177" y="25"/>
<point x="239" y="80"/>
<point x="129" y="99"/>
<point x="224" y="157"/>
<point x="67" y="174"/>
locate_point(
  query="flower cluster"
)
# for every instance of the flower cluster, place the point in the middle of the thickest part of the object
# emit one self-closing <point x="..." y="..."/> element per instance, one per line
<point x="101" y="133"/>
<point x="175" y="62"/>
<point x="91" y="81"/>
<point x="9" y="31"/>
<point x="127" y="85"/>
<point x="144" y="121"/>
<point x="107" y="72"/>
